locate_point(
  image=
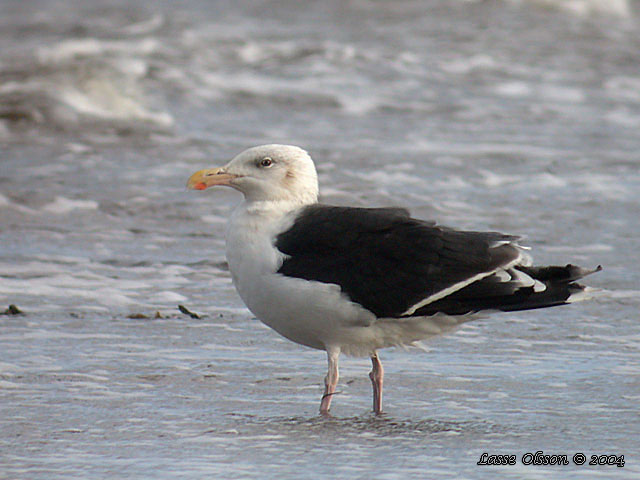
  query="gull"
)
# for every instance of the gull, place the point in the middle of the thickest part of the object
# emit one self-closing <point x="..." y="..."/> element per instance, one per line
<point x="355" y="280"/>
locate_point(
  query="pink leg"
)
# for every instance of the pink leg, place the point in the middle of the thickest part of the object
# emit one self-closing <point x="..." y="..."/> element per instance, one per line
<point x="330" y="381"/>
<point x="377" y="376"/>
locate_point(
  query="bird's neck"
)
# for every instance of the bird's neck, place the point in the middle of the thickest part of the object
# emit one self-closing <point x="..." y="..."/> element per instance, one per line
<point x="250" y="241"/>
<point x="272" y="208"/>
<point x="254" y="221"/>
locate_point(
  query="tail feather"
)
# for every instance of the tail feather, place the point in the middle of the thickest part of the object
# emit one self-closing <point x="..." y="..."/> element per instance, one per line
<point x="566" y="274"/>
<point x="548" y="286"/>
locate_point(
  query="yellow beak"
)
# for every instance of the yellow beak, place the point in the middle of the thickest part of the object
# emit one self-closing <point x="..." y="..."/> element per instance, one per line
<point x="209" y="177"/>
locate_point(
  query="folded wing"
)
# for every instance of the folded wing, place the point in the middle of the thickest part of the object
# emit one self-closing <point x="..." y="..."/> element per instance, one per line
<point x="396" y="266"/>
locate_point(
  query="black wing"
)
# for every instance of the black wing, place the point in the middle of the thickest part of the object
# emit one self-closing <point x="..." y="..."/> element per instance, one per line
<point x="552" y="286"/>
<point x="387" y="261"/>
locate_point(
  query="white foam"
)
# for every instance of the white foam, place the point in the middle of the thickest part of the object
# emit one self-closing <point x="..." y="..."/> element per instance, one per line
<point x="551" y="92"/>
<point x="492" y="179"/>
<point x="110" y="96"/>
<point x="78" y="148"/>
<point x="101" y="97"/>
<point x="623" y="117"/>
<point x="514" y="89"/>
<point x="623" y="87"/>
<point x="69" y="50"/>
<point x="39" y="280"/>
<point x="106" y="89"/>
<point x="62" y="205"/>
<point x="546" y="179"/>
<point x="172" y="270"/>
<point x="167" y="297"/>
<point x="465" y="65"/>
<point x="587" y="7"/>
<point x="131" y="67"/>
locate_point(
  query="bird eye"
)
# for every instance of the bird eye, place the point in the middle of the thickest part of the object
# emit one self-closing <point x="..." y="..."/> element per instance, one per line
<point x="266" y="162"/>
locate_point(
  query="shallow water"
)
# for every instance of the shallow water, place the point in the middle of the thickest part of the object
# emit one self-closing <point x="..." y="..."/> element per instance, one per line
<point x="518" y="116"/>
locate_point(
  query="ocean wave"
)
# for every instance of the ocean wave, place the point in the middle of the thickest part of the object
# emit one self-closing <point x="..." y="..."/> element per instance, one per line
<point x="88" y="82"/>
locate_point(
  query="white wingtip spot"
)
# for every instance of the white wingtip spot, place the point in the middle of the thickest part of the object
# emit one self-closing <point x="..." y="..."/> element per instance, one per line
<point x="503" y="275"/>
<point x="538" y="286"/>
<point x="522" y="278"/>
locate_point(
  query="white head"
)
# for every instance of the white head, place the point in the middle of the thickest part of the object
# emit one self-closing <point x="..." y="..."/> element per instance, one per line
<point x="265" y="173"/>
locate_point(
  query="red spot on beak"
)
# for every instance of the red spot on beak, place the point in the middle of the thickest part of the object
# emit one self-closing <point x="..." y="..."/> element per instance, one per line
<point x="200" y="186"/>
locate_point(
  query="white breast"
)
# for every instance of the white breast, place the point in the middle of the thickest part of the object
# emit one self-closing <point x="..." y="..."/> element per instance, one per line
<point x="310" y="313"/>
